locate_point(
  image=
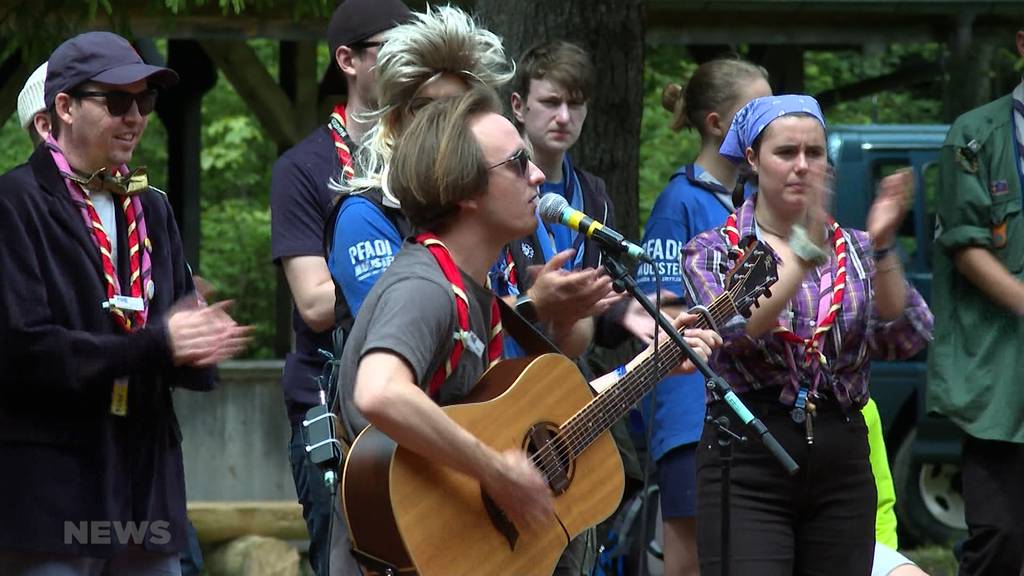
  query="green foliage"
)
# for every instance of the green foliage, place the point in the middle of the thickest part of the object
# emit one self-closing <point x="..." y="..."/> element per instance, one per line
<point x="662" y="151"/>
<point x="15" y="145"/>
<point x="827" y="70"/>
<point x="235" y="252"/>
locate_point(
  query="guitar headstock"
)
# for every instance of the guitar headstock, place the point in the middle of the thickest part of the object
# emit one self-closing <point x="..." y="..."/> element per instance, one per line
<point x="752" y="277"/>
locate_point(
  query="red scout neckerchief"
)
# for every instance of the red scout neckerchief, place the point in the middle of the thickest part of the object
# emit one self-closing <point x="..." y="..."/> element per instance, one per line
<point x="510" y="269"/>
<point x="451" y="272"/>
<point x="342" y="140"/>
<point x="812" y="345"/>
<point x="129" y="313"/>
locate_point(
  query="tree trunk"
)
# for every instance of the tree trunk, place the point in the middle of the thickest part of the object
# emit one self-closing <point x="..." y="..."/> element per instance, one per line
<point x="612" y="31"/>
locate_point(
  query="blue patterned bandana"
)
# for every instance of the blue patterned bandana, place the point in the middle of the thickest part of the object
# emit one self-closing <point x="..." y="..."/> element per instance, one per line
<point x="753" y="118"/>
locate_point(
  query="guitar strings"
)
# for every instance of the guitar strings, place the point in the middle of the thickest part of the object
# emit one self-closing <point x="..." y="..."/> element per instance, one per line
<point x="590" y="422"/>
<point x="720" y="310"/>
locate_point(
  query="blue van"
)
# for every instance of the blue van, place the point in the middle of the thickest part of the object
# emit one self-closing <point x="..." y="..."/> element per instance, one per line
<point x="924" y="450"/>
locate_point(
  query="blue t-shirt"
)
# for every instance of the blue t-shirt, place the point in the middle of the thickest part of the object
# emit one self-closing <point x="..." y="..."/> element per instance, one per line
<point x="691" y="203"/>
<point x="365" y="243"/>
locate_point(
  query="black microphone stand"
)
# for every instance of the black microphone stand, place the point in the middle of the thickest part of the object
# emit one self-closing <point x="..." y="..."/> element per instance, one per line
<point x="622" y="280"/>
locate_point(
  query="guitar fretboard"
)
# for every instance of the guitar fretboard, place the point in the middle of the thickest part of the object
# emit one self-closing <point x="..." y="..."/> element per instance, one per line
<point x="594" y="419"/>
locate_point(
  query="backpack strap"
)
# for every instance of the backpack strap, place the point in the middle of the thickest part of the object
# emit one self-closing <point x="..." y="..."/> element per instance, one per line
<point x="464" y="336"/>
<point x="343" y="318"/>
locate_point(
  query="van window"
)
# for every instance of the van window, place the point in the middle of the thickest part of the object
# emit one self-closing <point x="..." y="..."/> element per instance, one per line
<point x="918" y="228"/>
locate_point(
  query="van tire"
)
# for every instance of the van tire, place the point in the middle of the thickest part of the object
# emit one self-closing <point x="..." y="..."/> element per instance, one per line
<point x="929" y="499"/>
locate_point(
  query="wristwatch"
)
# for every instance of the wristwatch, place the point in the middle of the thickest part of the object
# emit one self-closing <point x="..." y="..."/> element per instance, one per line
<point x="525" y="308"/>
<point x="804" y="249"/>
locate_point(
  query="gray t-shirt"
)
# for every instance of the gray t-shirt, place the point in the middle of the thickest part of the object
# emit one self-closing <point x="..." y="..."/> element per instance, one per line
<point x="410" y="312"/>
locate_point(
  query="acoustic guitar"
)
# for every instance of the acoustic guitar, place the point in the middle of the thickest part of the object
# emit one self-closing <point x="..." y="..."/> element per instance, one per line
<point x="408" y="515"/>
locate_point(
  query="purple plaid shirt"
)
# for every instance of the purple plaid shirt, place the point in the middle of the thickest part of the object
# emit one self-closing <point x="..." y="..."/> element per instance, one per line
<point x="857" y="336"/>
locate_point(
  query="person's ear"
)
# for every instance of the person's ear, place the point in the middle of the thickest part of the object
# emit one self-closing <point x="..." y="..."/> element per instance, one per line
<point x="519" y="108"/>
<point x="62" y="103"/>
<point x="752" y="159"/>
<point x="343" y="56"/>
<point x="713" y="125"/>
<point x="41" y="124"/>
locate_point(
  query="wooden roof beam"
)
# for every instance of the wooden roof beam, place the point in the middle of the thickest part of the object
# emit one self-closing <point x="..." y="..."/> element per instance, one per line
<point x="268" y="101"/>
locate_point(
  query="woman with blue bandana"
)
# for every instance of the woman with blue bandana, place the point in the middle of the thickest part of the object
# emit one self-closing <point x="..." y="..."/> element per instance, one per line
<point x="801" y="361"/>
<point x="698" y="196"/>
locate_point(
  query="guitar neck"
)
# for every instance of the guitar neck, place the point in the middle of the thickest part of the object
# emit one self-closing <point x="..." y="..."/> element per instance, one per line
<point x="611" y="405"/>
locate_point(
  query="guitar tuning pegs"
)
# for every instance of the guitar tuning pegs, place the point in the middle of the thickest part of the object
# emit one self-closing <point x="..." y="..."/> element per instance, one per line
<point x="746" y="313"/>
<point x="767" y="293"/>
<point x="757" y="304"/>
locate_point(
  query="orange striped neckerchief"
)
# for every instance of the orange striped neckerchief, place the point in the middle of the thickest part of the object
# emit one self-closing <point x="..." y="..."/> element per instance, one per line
<point x="341" y="137"/>
<point x="140" y="284"/>
<point x="812" y="345"/>
<point x="451" y="273"/>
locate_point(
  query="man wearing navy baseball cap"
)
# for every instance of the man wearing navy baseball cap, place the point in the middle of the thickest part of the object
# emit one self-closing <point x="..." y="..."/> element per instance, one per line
<point x="99" y="322"/>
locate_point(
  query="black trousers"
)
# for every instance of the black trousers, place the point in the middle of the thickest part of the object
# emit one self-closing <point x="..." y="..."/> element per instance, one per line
<point x="315" y="499"/>
<point x="819" y="522"/>
<point x="993" y="476"/>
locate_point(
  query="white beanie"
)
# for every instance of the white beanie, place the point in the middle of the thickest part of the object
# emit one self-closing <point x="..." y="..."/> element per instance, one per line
<point x="30" y="99"/>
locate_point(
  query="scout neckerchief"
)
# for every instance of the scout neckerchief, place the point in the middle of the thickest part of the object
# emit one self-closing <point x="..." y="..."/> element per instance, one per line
<point x="562" y="237"/>
<point x="1017" y="126"/>
<point x="343" y="143"/>
<point x="812" y="345"/>
<point x="464" y="337"/>
<point x="129" y="311"/>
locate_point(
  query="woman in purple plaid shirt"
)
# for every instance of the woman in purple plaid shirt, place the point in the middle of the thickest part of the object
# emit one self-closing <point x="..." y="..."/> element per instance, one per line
<point x="802" y="360"/>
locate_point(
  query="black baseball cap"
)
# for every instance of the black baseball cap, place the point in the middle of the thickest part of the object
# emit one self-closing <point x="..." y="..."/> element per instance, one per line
<point x="356" y="20"/>
<point x="100" y="57"/>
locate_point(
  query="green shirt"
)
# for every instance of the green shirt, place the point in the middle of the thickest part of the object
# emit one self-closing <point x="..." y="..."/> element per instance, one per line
<point x="976" y="362"/>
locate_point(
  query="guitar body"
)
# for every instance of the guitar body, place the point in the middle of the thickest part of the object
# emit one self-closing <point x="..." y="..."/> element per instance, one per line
<point x="430" y="520"/>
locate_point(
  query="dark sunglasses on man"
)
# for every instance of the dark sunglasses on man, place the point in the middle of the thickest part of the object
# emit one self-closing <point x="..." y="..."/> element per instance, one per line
<point x="119" y="102"/>
<point x="521" y="160"/>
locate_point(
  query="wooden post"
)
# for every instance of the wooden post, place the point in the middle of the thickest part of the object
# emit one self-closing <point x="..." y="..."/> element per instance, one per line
<point x="180" y="110"/>
<point x="785" y="64"/>
<point x="967" y="79"/>
<point x="298" y="83"/>
<point x="14" y="71"/>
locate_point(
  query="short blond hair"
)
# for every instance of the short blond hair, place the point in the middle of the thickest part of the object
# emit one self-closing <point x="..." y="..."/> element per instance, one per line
<point x="439" y="161"/>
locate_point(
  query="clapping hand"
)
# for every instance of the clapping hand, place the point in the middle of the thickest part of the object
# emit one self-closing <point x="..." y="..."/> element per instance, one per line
<point x="895" y="195"/>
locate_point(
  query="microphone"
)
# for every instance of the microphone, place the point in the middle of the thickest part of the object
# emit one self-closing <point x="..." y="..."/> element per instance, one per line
<point x="555" y="209"/>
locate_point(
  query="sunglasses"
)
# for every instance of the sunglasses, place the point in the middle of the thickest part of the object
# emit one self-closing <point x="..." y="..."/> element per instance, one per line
<point x="366" y="45"/>
<point x="118" y="102"/>
<point x="521" y="159"/>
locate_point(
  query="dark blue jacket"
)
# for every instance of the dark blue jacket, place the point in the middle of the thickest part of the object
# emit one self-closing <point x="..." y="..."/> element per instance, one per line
<point x="65" y="457"/>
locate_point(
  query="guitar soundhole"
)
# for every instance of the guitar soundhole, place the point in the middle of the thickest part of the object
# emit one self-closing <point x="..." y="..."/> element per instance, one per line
<point x="551" y="455"/>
